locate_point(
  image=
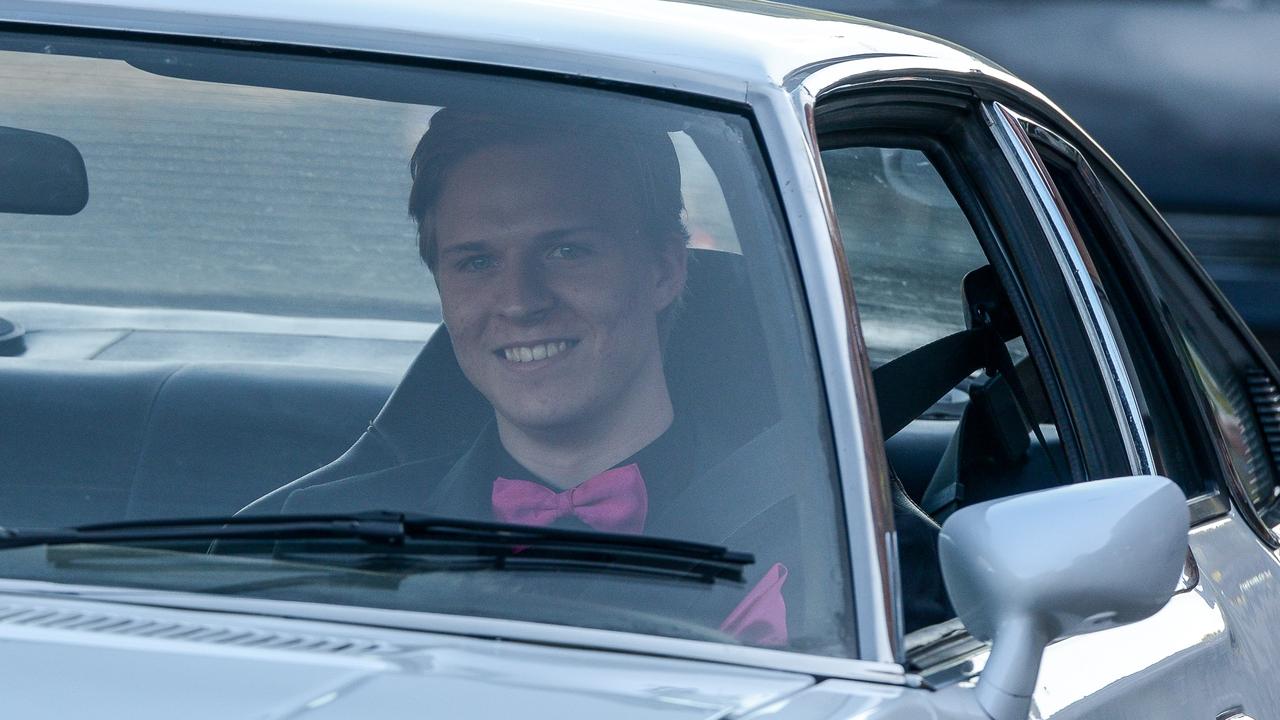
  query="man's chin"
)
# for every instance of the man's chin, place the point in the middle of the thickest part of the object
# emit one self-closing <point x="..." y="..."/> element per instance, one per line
<point x="542" y="418"/>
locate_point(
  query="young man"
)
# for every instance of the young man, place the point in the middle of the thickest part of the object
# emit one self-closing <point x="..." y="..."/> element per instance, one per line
<point x="553" y="272"/>
<point x="559" y="254"/>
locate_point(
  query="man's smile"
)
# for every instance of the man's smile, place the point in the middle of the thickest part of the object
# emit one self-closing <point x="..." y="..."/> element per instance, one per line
<point x="535" y="351"/>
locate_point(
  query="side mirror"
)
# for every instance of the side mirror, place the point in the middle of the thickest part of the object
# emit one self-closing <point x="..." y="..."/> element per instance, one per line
<point x="1026" y="570"/>
<point x="40" y="174"/>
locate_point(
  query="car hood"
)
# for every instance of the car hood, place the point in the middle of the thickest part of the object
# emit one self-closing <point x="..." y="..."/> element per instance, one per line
<point x="73" y="658"/>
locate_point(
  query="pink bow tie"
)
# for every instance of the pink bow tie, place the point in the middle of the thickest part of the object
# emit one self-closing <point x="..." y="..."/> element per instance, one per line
<point x="613" y="501"/>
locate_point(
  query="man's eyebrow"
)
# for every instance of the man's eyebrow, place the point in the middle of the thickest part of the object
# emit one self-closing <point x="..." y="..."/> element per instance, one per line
<point x="562" y="233"/>
<point x="480" y="246"/>
<point x="465" y="248"/>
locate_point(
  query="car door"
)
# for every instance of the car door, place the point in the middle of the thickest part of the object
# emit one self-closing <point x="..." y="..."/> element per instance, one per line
<point x="1084" y="409"/>
<point x="1207" y="397"/>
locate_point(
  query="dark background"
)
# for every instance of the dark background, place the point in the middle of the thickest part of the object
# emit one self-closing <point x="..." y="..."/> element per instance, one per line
<point x="1185" y="95"/>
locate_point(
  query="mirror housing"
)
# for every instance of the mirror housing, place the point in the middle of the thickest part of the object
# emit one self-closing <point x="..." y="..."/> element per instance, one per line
<point x="40" y="174"/>
<point x="1026" y="570"/>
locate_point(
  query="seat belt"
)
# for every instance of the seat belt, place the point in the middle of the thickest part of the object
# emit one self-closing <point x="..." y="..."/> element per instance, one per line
<point x="991" y="318"/>
<point x="909" y="385"/>
<point x="989" y="307"/>
<point x="1006" y="369"/>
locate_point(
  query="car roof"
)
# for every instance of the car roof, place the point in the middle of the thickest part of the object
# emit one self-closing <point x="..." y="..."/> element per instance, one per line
<point x="714" y="47"/>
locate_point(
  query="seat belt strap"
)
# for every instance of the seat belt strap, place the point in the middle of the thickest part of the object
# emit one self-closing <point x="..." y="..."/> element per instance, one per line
<point x="909" y="385"/>
<point x="1004" y="365"/>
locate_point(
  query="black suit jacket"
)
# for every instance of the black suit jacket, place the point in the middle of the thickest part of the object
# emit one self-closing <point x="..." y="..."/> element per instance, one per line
<point x="745" y="500"/>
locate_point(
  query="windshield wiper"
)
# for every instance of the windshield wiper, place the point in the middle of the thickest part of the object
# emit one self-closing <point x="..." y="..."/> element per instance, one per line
<point x="407" y="534"/>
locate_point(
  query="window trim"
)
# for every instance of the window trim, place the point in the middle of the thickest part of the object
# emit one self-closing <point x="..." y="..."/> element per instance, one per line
<point x="1010" y="131"/>
<point x="1211" y="503"/>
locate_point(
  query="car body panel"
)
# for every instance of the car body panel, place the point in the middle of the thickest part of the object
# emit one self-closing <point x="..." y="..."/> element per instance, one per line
<point x="1207" y="651"/>
<point x="164" y="662"/>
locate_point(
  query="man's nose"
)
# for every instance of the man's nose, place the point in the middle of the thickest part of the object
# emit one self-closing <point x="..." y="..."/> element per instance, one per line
<point x="525" y="295"/>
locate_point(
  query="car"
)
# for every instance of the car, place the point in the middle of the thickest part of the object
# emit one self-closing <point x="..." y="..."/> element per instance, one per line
<point x="352" y="366"/>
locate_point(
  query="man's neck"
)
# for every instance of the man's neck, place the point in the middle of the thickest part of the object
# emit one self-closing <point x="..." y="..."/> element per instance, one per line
<point x="568" y="456"/>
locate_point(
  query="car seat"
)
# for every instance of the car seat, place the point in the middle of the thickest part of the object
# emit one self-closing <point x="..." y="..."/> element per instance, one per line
<point x="991" y="454"/>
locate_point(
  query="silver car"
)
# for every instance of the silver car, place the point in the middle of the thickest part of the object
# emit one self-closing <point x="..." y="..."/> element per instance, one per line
<point x="640" y="360"/>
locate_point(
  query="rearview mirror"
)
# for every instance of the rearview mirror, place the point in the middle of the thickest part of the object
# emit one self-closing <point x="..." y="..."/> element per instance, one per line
<point x="1026" y="570"/>
<point x="40" y="174"/>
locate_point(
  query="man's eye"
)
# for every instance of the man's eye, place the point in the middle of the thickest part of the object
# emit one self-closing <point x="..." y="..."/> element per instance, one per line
<point x="567" y="252"/>
<point x="476" y="263"/>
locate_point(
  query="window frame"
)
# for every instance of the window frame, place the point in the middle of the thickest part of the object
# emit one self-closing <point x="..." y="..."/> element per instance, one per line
<point x="933" y="122"/>
<point x="988" y="190"/>
<point x="1159" y="239"/>
<point x="1010" y="130"/>
<point x="924" y="117"/>
<point x="771" y="126"/>
<point x="1141" y="225"/>
<point x="1211" y="501"/>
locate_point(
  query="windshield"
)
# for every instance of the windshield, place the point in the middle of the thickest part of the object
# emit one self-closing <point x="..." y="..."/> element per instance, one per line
<point x="321" y="287"/>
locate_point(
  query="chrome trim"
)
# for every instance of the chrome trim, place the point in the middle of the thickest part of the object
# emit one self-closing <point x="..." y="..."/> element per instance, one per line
<point x="475" y="627"/>
<point x="1069" y="250"/>
<point x="859" y="72"/>
<point x="785" y="125"/>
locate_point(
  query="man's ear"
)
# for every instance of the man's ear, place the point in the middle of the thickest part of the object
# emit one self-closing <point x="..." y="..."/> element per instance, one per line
<point x="672" y="270"/>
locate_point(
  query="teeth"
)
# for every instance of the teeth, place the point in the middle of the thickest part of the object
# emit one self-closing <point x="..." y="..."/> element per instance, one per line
<point x="535" y="352"/>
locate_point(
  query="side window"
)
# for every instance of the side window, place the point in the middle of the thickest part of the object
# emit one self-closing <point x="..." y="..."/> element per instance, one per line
<point x="962" y="405"/>
<point x="921" y="279"/>
<point x="894" y="207"/>
<point x="1202" y="392"/>
<point x="1237" y="395"/>
<point x="1154" y="363"/>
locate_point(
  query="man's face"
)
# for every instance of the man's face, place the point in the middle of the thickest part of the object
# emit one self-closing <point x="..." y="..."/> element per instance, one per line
<point x="549" y="292"/>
